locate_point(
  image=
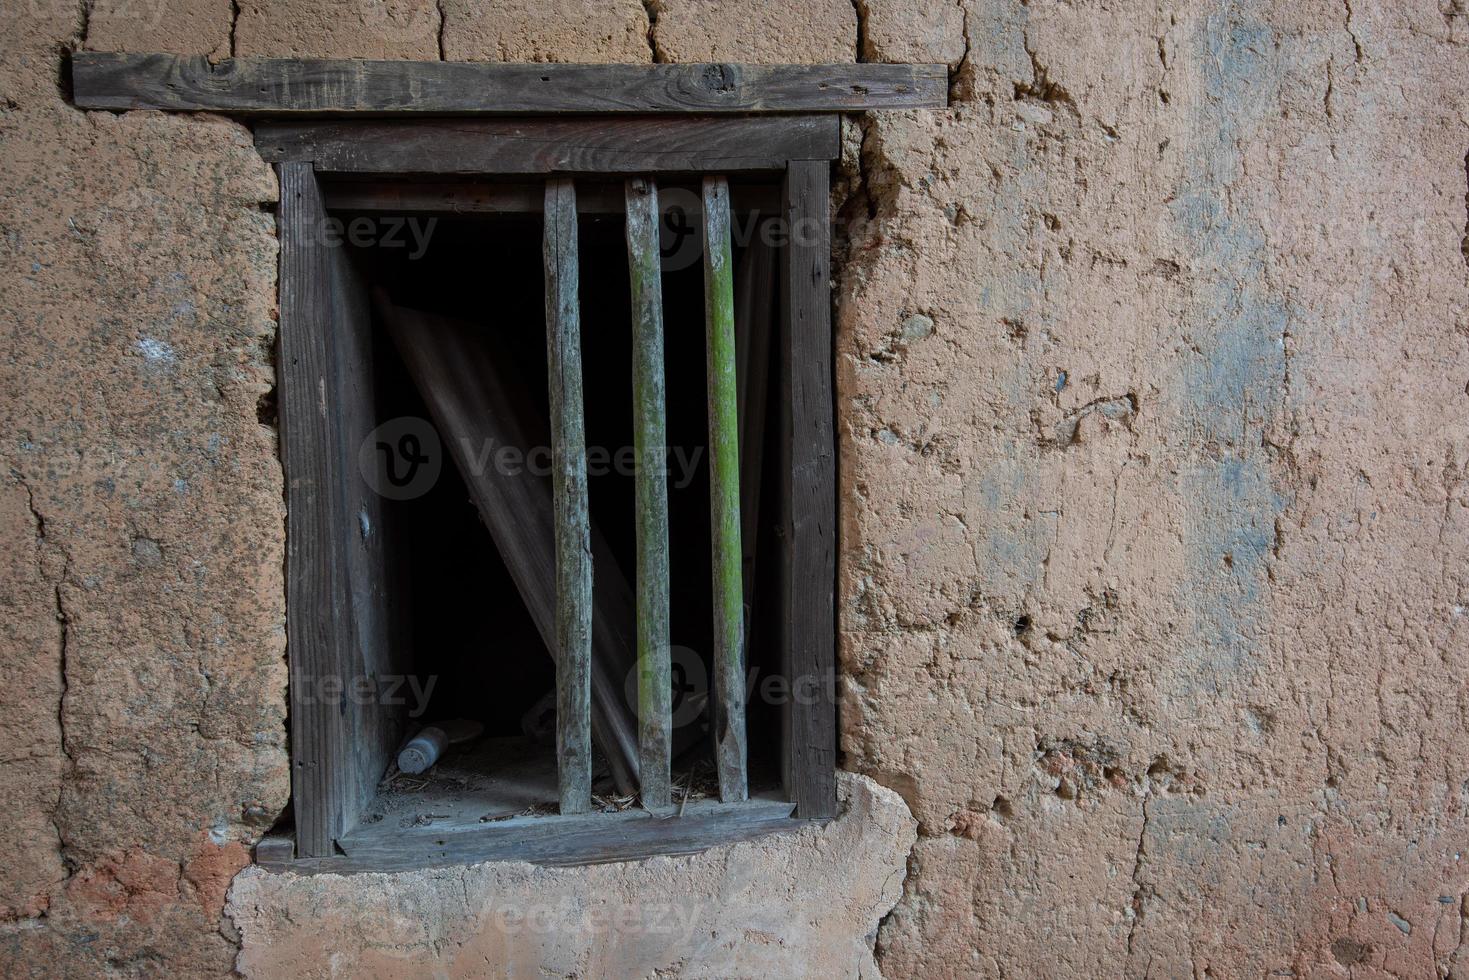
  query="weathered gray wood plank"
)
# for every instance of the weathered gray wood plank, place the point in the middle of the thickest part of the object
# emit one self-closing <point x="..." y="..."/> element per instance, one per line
<point x="650" y="447"/>
<point x="573" y="523"/>
<point x="808" y="577"/>
<point x="644" y="144"/>
<point x="339" y="625"/>
<point x="467" y="198"/>
<point x="267" y="86"/>
<point x="315" y="612"/>
<point x="593" y="838"/>
<point x="724" y="494"/>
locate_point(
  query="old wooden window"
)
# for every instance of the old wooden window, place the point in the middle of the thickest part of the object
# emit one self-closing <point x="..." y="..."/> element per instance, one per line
<point x="737" y="345"/>
<point x="755" y="189"/>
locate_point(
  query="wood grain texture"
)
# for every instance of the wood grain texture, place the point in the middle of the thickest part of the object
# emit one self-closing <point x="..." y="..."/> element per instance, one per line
<point x="635" y="145"/>
<point x="569" y="482"/>
<point x="808" y="577"/>
<point x="288" y="86"/>
<point x="724" y="494"/>
<point x="340" y="628"/>
<point x="467" y="198"/>
<point x="650" y="449"/>
<point x="593" y="838"/>
<point x="377" y="648"/>
<point x="475" y="398"/>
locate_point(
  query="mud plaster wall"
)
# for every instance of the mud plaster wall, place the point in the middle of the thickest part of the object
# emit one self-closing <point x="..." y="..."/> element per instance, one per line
<point x="1153" y="377"/>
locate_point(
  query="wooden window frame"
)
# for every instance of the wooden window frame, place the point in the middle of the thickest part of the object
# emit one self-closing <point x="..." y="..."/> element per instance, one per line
<point x="336" y="578"/>
<point x="537" y="121"/>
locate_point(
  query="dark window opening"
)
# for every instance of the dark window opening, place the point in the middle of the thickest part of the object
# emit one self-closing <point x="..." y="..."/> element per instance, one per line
<point x="476" y="653"/>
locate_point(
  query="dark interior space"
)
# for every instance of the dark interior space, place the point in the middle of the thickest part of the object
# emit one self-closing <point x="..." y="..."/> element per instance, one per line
<point x="471" y="636"/>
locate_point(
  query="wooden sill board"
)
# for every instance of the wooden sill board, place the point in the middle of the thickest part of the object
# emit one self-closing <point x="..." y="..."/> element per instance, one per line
<point x="598" y="838"/>
<point x="310" y="86"/>
<point x="500" y="779"/>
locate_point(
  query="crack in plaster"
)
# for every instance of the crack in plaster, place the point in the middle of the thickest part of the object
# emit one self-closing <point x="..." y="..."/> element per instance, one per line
<point x="1356" y="42"/>
<point x="957" y="71"/>
<point x="63" y="641"/>
<point x="1041" y="86"/>
<point x="85" y="26"/>
<point x="861" y="196"/>
<point x="650" y="9"/>
<point x="1464" y="243"/>
<point x="1138" y="896"/>
<point x="443" y="24"/>
<point x="76" y="42"/>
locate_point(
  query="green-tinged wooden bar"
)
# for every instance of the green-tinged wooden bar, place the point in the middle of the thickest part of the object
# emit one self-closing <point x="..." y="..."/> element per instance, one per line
<point x="650" y="446"/>
<point x="724" y="495"/>
<point x="573" y="522"/>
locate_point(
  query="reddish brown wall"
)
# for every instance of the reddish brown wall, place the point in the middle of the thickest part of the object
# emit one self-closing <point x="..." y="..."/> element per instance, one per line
<point x="1167" y="658"/>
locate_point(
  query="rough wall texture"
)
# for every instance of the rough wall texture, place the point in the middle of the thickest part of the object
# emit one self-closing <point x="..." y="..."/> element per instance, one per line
<point x="1152" y="378"/>
<point x="798" y="905"/>
<point x="143" y="631"/>
<point x="1154" y="365"/>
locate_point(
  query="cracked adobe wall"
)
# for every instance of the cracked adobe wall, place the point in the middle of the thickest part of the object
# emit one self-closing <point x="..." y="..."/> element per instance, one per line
<point x="1154" y="354"/>
<point x="1152" y="377"/>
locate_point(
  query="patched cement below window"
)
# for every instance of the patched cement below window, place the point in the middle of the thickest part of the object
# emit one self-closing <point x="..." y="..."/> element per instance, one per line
<point x="803" y="904"/>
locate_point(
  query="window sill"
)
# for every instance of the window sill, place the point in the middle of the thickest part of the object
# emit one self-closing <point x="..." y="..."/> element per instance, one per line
<point x="489" y="802"/>
<point x="595" y="838"/>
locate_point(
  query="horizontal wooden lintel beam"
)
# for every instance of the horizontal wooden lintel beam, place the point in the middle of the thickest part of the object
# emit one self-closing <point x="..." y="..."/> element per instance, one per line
<point x="580" y="145"/>
<point x="317" y="87"/>
<point x="471" y="198"/>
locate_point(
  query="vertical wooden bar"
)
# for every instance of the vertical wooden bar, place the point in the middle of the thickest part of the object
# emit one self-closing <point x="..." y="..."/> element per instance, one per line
<point x="724" y="495"/>
<point x="649" y="444"/>
<point x="569" y="481"/>
<point x="808" y="531"/>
